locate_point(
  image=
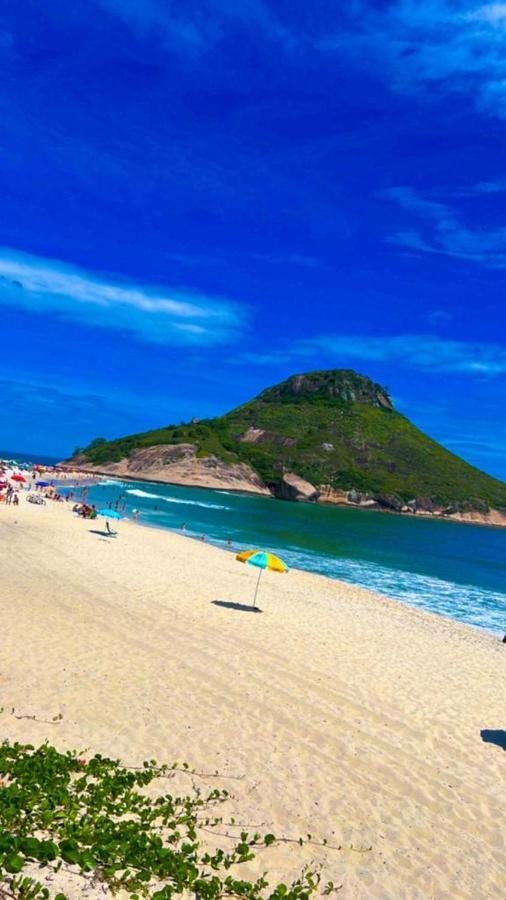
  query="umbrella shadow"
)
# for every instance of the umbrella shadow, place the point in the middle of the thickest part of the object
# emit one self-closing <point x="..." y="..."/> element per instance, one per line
<point x="491" y="736"/>
<point x="106" y="534"/>
<point x="241" y="607"/>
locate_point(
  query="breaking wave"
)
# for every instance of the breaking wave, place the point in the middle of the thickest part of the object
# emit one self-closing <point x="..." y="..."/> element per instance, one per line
<point x="464" y="602"/>
<point x="138" y="492"/>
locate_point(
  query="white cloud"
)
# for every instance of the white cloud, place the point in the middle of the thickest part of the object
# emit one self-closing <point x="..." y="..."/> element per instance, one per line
<point x="426" y="352"/>
<point x="489" y="187"/>
<point x="495" y="13"/>
<point x="151" y="313"/>
<point x="434" y="46"/>
<point x="413" y="351"/>
<point x="444" y="233"/>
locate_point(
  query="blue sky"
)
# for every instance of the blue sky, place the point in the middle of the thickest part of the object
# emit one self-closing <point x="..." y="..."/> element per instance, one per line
<point x="200" y="199"/>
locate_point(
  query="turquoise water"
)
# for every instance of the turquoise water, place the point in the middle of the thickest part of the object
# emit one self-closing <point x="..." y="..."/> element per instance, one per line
<point x="455" y="570"/>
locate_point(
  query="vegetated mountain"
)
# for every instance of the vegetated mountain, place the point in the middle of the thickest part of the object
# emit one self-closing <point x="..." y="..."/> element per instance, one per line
<point x="331" y="435"/>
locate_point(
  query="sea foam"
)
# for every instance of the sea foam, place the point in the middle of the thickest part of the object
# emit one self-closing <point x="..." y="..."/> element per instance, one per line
<point x="138" y="492"/>
<point x="463" y="602"/>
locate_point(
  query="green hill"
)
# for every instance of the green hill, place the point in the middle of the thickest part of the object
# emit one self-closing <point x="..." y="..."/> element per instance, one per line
<point x="335" y="429"/>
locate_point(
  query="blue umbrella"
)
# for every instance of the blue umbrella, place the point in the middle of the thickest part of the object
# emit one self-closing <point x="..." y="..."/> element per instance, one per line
<point x="109" y="513"/>
<point x="42" y="483"/>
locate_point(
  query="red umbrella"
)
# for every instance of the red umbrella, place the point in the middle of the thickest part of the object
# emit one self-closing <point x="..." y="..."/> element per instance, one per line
<point x="18" y="478"/>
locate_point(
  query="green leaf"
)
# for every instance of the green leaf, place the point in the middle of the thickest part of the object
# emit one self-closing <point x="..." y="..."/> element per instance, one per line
<point x="88" y="861"/>
<point x="48" y="851"/>
<point x="30" y="847"/>
<point x="14" y="863"/>
<point x="51" y="811"/>
<point x="70" y="851"/>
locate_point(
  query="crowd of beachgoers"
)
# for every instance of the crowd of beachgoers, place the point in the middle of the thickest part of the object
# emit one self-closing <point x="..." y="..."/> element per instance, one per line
<point x="39" y="484"/>
<point x="36" y="482"/>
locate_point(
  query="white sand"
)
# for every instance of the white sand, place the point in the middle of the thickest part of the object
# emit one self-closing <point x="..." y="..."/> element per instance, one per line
<point x="349" y="716"/>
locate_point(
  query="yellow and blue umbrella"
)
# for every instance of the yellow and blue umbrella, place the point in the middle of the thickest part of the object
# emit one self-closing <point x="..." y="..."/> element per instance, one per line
<point x="262" y="560"/>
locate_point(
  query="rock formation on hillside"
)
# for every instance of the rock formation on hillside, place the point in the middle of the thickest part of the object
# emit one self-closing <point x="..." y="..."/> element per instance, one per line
<point x="329" y="437"/>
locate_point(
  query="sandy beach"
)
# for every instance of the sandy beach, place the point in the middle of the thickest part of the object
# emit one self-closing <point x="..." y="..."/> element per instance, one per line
<point x="338" y="712"/>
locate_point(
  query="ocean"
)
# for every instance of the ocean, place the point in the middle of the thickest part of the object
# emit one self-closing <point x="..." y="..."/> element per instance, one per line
<point x="29" y="457"/>
<point x="455" y="570"/>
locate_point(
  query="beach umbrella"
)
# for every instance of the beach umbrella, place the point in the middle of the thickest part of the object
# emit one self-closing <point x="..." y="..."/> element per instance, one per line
<point x="18" y="478"/>
<point x="109" y="513"/>
<point x="42" y="483"/>
<point x="262" y="560"/>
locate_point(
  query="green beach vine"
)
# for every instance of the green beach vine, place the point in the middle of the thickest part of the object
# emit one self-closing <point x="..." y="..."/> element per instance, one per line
<point x="95" y="817"/>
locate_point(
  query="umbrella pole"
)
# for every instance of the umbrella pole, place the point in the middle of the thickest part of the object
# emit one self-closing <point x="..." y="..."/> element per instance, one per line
<point x="256" y="589"/>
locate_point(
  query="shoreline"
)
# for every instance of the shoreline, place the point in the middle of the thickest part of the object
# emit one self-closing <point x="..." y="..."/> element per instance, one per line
<point x="468" y="518"/>
<point x="216" y="544"/>
<point x="426" y="598"/>
<point x="438" y="594"/>
<point x="340" y="712"/>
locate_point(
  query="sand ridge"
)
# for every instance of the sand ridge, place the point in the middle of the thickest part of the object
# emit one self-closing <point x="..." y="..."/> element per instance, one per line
<point x="347" y="715"/>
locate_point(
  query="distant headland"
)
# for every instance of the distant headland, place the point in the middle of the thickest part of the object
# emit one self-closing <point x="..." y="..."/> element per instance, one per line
<point x="328" y="437"/>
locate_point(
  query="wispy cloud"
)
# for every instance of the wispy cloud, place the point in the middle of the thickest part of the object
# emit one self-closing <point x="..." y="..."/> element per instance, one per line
<point x="197" y="24"/>
<point x="291" y="259"/>
<point x="483" y="187"/>
<point x="444" y="233"/>
<point x="151" y="313"/>
<point x="437" y="316"/>
<point x="450" y="46"/>
<point x="414" y="351"/>
<point x="411" y="351"/>
<point x="272" y="359"/>
<point x="281" y="259"/>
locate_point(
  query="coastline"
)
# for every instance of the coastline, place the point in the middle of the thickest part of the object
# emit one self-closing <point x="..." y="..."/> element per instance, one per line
<point x="492" y="519"/>
<point x="345" y="714"/>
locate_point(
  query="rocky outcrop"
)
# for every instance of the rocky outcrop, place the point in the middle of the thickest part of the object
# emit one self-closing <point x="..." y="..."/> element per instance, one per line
<point x="292" y="487"/>
<point x="494" y="517"/>
<point x="254" y="436"/>
<point x="261" y="436"/>
<point x="390" y="501"/>
<point x="179" y="464"/>
<point x="360" y="498"/>
<point x="343" y="385"/>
